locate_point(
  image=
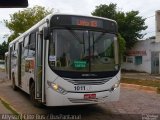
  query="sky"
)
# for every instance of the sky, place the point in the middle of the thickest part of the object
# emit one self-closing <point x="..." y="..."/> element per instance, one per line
<point x="146" y="8"/>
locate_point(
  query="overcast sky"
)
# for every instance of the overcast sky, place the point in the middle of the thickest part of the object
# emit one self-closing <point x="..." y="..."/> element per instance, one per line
<point x="146" y="8"/>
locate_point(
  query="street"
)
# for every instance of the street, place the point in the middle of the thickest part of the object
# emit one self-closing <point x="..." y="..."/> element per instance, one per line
<point x="133" y="104"/>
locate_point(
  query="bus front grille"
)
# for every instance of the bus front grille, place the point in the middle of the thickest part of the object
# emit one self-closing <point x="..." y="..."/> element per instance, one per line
<point x="96" y="100"/>
<point x="88" y="81"/>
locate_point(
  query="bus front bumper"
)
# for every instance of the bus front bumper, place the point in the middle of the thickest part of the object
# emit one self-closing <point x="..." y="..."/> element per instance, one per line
<point x="54" y="98"/>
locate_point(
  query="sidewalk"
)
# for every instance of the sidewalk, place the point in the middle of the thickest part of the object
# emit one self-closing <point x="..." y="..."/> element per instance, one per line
<point x="3" y="109"/>
<point x="141" y="76"/>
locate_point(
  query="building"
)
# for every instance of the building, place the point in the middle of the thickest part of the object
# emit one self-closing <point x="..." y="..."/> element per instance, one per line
<point x="158" y="26"/>
<point x="145" y="55"/>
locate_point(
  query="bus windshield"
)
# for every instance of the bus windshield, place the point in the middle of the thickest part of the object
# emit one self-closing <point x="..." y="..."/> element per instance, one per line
<point x="83" y="50"/>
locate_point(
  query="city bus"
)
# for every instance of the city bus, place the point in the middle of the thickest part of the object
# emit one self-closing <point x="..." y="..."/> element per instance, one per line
<point x="67" y="60"/>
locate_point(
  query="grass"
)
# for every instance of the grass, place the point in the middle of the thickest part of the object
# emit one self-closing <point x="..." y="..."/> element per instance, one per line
<point x="151" y="83"/>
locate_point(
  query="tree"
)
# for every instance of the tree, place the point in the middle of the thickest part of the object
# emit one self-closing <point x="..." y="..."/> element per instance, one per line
<point x="3" y="49"/>
<point x="122" y="45"/>
<point x="23" y="20"/>
<point x="130" y="23"/>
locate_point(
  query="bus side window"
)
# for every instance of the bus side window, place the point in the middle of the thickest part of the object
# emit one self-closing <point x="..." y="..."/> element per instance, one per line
<point x="52" y="44"/>
<point x="52" y="50"/>
<point x="25" y="44"/>
<point x="26" y="40"/>
<point x="14" y="51"/>
<point x="32" y="45"/>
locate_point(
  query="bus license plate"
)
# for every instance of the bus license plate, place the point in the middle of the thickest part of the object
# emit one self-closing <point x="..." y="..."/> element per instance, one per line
<point x="89" y="96"/>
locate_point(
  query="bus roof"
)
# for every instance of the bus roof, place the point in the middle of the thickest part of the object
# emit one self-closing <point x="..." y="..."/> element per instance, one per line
<point x="85" y="16"/>
<point x="48" y="17"/>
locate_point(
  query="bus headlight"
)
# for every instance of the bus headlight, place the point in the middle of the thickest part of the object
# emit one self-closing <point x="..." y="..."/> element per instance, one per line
<point x="116" y="85"/>
<point x="56" y="87"/>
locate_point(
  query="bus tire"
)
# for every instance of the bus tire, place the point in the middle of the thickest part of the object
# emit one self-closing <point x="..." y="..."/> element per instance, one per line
<point x="13" y="83"/>
<point x="32" y="96"/>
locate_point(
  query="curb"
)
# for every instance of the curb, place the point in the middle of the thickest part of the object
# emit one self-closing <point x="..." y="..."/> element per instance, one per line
<point x="155" y="78"/>
<point x="10" y="107"/>
<point x="140" y="87"/>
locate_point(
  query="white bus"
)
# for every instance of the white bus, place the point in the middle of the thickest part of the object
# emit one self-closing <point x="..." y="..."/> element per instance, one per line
<point x="67" y="60"/>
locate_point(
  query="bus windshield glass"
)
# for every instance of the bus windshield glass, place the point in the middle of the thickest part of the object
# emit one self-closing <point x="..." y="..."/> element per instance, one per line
<point x="83" y="51"/>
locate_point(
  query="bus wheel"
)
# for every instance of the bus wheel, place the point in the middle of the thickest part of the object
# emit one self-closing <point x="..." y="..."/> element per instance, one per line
<point x="13" y="83"/>
<point x="32" y="96"/>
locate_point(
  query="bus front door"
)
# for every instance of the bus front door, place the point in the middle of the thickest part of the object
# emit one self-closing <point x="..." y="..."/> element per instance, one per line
<point x="39" y="74"/>
<point x="20" y="45"/>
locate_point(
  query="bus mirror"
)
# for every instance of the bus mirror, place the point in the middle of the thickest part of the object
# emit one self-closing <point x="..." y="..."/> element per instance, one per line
<point x="46" y="33"/>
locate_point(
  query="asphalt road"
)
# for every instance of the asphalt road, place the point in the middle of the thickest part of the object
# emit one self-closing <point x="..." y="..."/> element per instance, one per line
<point x="133" y="105"/>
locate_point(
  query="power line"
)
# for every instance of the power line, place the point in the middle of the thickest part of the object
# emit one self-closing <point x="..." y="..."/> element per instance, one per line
<point x="150" y="17"/>
<point x="151" y="32"/>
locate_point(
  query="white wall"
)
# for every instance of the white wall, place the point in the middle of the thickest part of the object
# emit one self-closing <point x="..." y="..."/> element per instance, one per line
<point x="144" y="45"/>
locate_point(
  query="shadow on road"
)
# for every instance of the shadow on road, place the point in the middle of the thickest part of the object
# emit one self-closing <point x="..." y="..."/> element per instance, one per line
<point x="85" y="110"/>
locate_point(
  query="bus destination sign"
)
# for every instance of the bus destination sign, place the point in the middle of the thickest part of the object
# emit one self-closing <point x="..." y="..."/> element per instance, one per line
<point x="72" y="21"/>
<point x="88" y="22"/>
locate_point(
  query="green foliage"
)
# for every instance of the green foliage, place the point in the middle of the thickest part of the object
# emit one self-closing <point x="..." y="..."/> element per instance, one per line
<point x="3" y="49"/>
<point x="108" y="11"/>
<point x="151" y="83"/>
<point x="25" y="19"/>
<point x="132" y="27"/>
<point x="122" y="45"/>
<point x="130" y="23"/>
<point x="12" y="37"/>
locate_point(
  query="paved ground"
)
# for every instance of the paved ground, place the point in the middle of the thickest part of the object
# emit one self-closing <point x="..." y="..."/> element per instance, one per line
<point x="3" y="109"/>
<point x="133" y="104"/>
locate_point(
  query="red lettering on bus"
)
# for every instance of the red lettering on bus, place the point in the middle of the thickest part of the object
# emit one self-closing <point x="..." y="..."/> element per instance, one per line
<point x="87" y="23"/>
<point x="94" y="23"/>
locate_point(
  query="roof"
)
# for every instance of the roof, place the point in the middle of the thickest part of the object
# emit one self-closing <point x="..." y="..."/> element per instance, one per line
<point x="48" y="17"/>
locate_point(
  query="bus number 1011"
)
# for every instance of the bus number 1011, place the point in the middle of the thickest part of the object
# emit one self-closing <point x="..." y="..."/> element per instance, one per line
<point x="79" y="88"/>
